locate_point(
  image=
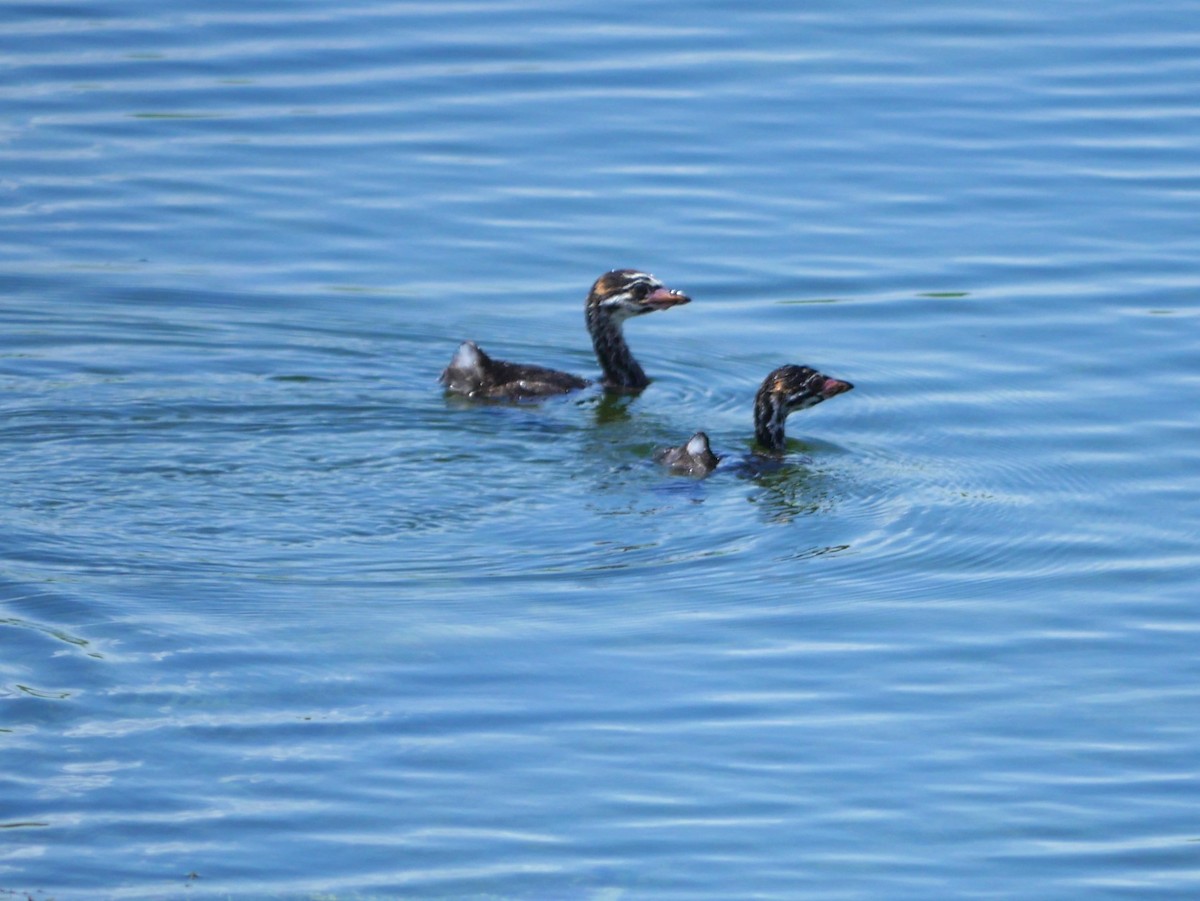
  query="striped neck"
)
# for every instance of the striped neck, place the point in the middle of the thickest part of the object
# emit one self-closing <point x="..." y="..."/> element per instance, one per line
<point x="769" y="415"/>
<point x="621" y="370"/>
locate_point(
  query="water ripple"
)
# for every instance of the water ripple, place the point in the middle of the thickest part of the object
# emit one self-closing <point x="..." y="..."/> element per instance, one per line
<point x="486" y="649"/>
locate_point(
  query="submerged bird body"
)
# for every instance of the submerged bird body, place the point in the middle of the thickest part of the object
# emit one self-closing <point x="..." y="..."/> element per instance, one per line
<point x="616" y="296"/>
<point x="695" y="458"/>
<point x="475" y="374"/>
<point x="785" y="390"/>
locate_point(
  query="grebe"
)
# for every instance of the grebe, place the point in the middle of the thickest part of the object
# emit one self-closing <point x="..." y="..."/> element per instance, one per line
<point x="785" y="390"/>
<point x="616" y="296"/>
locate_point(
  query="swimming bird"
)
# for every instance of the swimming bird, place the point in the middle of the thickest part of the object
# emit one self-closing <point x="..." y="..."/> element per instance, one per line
<point x="785" y="390"/>
<point x="615" y="297"/>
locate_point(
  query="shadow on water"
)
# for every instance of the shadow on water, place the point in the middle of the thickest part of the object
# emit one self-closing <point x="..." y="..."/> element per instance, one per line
<point x="787" y="487"/>
<point x="612" y="406"/>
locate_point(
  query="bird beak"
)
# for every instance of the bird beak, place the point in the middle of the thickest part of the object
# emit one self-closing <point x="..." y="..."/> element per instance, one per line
<point x="833" y="387"/>
<point x="664" y="297"/>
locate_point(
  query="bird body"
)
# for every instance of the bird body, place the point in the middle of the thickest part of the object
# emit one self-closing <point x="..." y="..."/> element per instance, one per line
<point x="694" y="458"/>
<point x="475" y="374"/>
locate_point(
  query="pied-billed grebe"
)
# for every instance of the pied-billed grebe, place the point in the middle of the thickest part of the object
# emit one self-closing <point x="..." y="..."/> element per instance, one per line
<point x="616" y="296"/>
<point x="785" y="390"/>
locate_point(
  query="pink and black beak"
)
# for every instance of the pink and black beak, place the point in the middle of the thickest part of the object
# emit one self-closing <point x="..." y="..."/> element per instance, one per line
<point x="834" y="387"/>
<point x="662" y="298"/>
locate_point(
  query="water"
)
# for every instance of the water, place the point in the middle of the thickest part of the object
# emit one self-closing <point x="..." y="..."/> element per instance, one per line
<point x="278" y="619"/>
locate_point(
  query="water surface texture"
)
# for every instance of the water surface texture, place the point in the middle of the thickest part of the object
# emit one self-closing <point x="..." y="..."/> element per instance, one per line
<point x="279" y="619"/>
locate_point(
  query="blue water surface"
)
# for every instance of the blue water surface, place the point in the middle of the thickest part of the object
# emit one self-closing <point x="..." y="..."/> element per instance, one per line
<point x="280" y="619"/>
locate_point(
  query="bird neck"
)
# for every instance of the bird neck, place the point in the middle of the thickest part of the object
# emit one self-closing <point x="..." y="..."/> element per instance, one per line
<point x="621" y="370"/>
<point x="769" y="416"/>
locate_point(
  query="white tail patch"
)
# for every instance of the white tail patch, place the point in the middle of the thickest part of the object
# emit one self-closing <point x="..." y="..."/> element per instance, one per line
<point x="467" y="357"/>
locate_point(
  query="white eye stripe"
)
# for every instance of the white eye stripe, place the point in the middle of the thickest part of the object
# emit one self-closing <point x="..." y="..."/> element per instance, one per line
<point x="615" y="300"/>
<point x="647" y="285"/>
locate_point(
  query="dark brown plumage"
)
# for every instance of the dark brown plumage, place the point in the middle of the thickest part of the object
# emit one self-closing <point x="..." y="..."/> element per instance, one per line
<point x="694" y="458"/>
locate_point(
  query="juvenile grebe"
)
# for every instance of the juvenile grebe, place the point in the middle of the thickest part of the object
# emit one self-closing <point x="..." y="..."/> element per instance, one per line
<point x="785" y="390"/>
<point x="616" y="296"/>
<point x="694" y="458"/>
